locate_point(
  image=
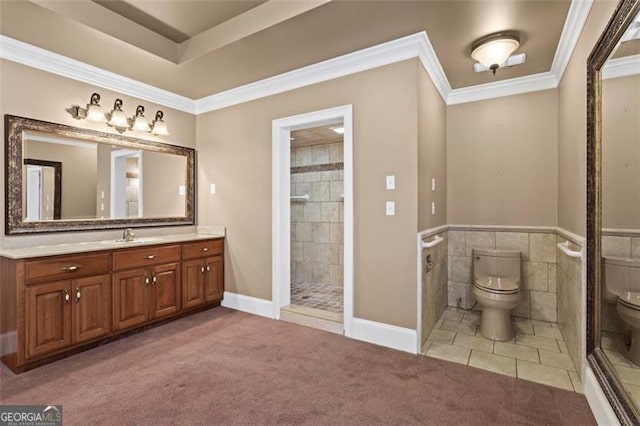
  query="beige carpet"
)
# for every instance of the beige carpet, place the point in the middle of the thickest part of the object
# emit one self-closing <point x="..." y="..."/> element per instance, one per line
<point x="226" y="367"/>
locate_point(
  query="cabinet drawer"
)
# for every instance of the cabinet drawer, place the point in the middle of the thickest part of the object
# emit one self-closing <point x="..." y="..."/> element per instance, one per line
<point x="68" y="267"/>
<point x="125" y="259"/>
<point x="202" y="249"/>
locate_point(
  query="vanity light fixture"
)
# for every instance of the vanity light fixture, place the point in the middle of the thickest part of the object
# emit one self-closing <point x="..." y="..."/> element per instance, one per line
<point x="338" y="130"/>
<point x="117" y="117"/>
<point x="158" y="126"/>
<point x="494" y="49"/>
<point x="139" y="122"/>
<point x="93" y="112"/>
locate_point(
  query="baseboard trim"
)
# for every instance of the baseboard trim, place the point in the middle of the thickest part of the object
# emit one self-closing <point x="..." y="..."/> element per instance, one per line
<point x="391" y="336"/>
<point x="598" y="402"/>
<point x="249" y="304"/>
<point x="8" y="342"/>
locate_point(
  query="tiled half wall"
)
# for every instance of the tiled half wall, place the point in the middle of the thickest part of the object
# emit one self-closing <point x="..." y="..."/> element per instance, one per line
<point x="317" y="224"/>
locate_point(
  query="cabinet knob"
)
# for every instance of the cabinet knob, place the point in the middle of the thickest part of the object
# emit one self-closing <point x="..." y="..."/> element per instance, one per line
<point x="146" y="281"/>
<point x="78" y="294"/>
<point x="70" y="268"/>
<point x="151" y="256"/>
<point x="202" y="269"/>
<point x="205" y="249"/>
<point x="66" y="296"/>
<point x="155" y="280"/>
<point x="208" y="268"/>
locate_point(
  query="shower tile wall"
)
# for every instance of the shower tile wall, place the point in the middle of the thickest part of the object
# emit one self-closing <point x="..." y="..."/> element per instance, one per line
<point x="570" y="303"/>
<point x="434" y="286"/>
<point x="317" y="225"/>
<point x="538" y="295"/>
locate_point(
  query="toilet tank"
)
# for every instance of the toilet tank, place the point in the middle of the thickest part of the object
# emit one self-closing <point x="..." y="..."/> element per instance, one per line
<point x="496" y="263"/>
<point x="619" y="274"/>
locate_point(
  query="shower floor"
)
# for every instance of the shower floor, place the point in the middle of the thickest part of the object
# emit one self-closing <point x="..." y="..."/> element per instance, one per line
<point x="317" y="296"/>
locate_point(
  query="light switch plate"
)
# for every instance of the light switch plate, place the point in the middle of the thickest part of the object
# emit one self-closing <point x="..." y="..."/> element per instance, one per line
<point x="391" y="208"/>
<point x="433" y="184"/>
<point x="391" y="182"/>
<point x="433" y="207"/>
<point x="182" y="190"/>
<point x="212" y="188"/>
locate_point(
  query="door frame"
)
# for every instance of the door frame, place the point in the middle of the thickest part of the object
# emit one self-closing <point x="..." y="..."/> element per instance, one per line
<point x="281" y="192"/>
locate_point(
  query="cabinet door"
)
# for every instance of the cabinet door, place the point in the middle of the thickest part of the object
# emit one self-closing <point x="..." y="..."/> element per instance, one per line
<point x="213" y="278"/>
<point x="91" y="307"/>
<point x="48" y="313"/>
<point x="130" y="298"/>
<point x="192" y="285"/>
<point x="165" y="290"/>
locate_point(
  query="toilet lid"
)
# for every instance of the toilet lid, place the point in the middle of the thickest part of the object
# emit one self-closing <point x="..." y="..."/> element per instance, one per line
<point x="630" y="299"/>
<point x="498" y="285"/>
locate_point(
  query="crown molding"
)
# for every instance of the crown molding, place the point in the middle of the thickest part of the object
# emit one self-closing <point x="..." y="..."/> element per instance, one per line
<point x="362" y="60"/>
<point x="621" y="67"/>
<point x="413" y="46"/>
<point x="513" y="86"/>
<point x="573" y="25"/>
<point x="45" y="60"/>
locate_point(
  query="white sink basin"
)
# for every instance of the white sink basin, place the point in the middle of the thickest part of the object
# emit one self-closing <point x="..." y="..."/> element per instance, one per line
<point x="133" y="241"/>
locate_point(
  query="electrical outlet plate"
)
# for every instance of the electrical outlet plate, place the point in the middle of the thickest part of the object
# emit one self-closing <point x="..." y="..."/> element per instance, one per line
<point x="391" y="208"/>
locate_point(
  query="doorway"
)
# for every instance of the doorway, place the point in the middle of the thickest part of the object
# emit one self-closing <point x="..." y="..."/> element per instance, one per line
<point x="303" y="203"/>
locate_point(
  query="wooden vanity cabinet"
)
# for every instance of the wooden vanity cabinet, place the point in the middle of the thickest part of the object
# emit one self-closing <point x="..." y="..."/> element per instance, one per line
<point x="203" y="273"/>
<point x="57" y="305"/>
<point x="151" y="290"/>
<point x="71" y="309"/>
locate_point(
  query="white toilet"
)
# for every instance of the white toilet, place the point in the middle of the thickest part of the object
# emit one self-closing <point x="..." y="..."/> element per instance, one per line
<point x="621" y="285"/>
<point x="496" y="285"/>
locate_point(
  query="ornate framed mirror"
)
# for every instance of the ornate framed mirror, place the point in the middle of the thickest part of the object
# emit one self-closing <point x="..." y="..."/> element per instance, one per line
<point x="64" y="178"/>
<point x="613" y="211"/>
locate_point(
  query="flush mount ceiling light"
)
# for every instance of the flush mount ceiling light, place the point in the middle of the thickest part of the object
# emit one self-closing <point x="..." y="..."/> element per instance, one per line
<point x="494" y="49"/>
<point x="338" y="130"/>
<point x="117" y="117"/>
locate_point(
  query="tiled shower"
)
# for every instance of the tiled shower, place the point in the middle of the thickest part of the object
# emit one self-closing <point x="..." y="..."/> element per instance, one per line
<point x="317" y="220"/>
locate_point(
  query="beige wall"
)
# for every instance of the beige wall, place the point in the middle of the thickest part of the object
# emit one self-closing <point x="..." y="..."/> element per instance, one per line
<point x="32" y="93"/>
<point x="79" y="166"/>
<point x="572" y="124"/>
<point x="432" y="153"/>
<point x="621" y="153"/>
<point x="234" y="149"/>
<point x="502" y="161"/>
<point x="162" y="174"/>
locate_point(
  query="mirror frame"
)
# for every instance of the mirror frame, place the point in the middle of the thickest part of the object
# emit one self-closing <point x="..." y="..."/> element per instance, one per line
<point x="15" y="225"/>
<point x="603" y="370"/>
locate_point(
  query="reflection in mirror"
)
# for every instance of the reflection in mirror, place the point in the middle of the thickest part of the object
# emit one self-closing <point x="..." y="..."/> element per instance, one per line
<point x="620" y="220"/>
<point x="77" y="179"/>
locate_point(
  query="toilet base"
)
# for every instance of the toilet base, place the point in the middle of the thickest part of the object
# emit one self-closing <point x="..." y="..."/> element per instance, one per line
<point x="495" y="324"/>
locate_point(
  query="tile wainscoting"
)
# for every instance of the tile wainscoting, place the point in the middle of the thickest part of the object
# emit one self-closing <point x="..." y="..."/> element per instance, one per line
<point x="552" y="282"/>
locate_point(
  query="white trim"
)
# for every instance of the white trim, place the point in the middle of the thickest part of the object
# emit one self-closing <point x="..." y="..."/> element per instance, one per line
<point x="412" y="46"/>
<point x="281" y="192"/>
<point x="8" y="342"/>
<point x="252" y="305"/>
<point x="391" y="336"/>
<point x="45" y="60"/>
<point x="598" y="402"/>
<point x="513" y="86"/>
<point x="362" y="60"/>
<point x="621" y="67"/>
<point x="573" y="25"/>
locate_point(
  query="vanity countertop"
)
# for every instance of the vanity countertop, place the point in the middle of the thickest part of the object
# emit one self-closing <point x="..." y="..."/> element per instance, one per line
<point x="58" y="249"/>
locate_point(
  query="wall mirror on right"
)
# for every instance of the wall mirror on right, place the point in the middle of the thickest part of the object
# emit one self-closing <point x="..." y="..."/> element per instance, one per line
<point x="613" y="206"/>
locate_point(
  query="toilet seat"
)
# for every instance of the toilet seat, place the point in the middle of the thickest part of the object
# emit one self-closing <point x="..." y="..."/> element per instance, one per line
<point x="499" y="285"/>
<point x="630" y="300"/>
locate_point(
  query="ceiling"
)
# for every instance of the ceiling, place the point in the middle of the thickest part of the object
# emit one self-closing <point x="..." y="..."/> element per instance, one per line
<point x="198" y="48"/>
<point x="315" y="136"/>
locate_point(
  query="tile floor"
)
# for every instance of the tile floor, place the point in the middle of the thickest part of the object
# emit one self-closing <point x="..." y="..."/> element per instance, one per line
<point x="318" y="296"/>
<point x="613" y="345"/>
<point x="537" y="353"/>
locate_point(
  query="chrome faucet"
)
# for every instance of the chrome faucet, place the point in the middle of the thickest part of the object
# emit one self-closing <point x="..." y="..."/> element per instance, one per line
<point x="128" y="235"/>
